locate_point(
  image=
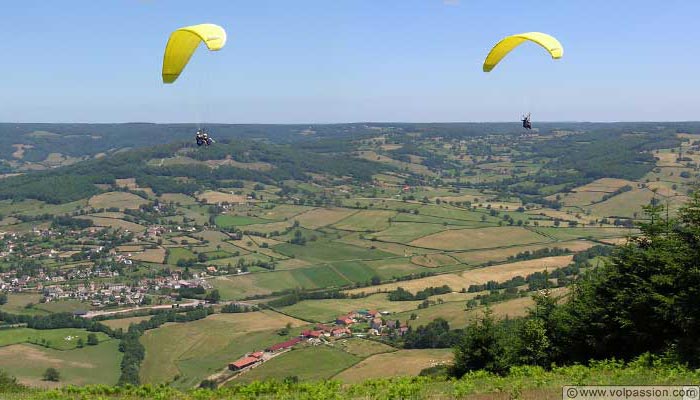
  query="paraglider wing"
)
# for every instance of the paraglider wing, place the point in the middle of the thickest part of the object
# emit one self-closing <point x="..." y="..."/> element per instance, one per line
<point x="183" y="43"/>
<point x="505" y="46"/>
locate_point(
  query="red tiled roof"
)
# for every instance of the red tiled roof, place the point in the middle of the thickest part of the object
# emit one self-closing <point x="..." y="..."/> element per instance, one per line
<point x="284" y="345"/>
<point x="257" y="354"/>
<point x="244" y="362"/>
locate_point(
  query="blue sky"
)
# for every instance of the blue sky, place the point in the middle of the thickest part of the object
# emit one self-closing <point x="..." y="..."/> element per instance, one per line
<point x="350" y="60"/>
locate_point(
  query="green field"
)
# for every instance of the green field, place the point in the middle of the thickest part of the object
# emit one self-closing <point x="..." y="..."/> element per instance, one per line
<point x="324" y="251"/>
<point x="228" y="221"/>
<point x="197" y="349"/>
<point x="17" y="302"/>
<point x="89" y="365"/>
<point x="404" y="232"/>
<point x="576" y="233"/>
<point x="176" y="254"/>
<point x="307" y="363"/>
<point x="59" y="339"/>
<point x="623" y="205"/>
<point x="62" y="306"/>
<point x="366" y="221"/>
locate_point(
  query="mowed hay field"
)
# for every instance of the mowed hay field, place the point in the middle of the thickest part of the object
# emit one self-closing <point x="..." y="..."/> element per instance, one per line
<point x="397" y="363"/>
<point x="196" y="349"/>
<point x="456" y="313"/>
<point x="150" y="255"/>
<point x="434" y="260"/>
<point x="89" y="365"/>
<point x="125" y="322"/>
<point x="458" y="316"/>
<point x="308" y="363"/>
<point x="457" y="281"/>
<point x="322" y="217"/>
<point x="363" y="347"/>
<point x="624" y="204"/>
<point x="213" y="197"/>
<point x="120" y="200"/>
<point x="117" y="224"/>
<point x="366" y="220"/>
<point x="483" y="238"/>
<point x="483" y="256"/>
<point x="607" y="185"/>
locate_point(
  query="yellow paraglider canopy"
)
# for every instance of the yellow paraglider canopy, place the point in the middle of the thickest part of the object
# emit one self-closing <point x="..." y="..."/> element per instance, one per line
<point x="183" y="43"/>
<point x="505" y="46"/>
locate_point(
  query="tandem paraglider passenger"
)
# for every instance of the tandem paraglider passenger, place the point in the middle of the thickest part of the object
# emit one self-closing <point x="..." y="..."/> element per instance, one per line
<point x="526" y="121"/>
<point x="203" y="138"/>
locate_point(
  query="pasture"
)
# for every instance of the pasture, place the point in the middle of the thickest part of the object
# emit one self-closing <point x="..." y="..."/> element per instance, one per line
<point x="124" y="323"/>
<point x="497" y="255"/>
<point x="457" y="281"/>
<point x="310" y="363"/>
<point x="321" y="217"/>
<point x="120" y="200"/>
<point x="323" y="251"/>
<point x="228" y="221"/>
<point x="405" y="232"/>
<point x="89" y="365"/>
<point x="117" y="224"/>
<point x="17" y="303"/>
<point x="606" y="185"/>
<point x="176" y="254"/>
<point x="397" y="363"/>
<point x="64" y="305"/>
<point x="483" y="238"/>
<point x="214" y="197"/>
<point x="366" y="221"/>
<point x="156" y="255"/>
<point x="59" y="339"/>
<point x="626" y="204"/>
<point x="362" y="347"/>
<point x="196" y="349"/>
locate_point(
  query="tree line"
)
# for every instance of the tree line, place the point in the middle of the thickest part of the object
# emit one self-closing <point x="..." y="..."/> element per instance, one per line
<point x="643" y="301"/>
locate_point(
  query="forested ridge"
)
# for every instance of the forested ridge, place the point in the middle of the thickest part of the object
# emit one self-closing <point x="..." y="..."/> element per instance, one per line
<point x="78" y="181"/>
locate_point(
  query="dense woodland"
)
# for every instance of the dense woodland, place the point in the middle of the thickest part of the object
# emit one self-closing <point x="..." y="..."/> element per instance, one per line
<point x="643" y="301"/>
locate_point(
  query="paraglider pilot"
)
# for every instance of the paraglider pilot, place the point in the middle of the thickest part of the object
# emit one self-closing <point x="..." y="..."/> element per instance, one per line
<point x="526" y="121"/>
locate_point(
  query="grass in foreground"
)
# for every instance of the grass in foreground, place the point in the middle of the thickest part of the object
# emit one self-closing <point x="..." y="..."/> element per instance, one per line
<point x="520" y="383"/>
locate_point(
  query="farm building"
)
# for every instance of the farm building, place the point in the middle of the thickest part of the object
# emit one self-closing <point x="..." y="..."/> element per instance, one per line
<point x="283" y="346"/>
<point x="243" y="363"/>
<point x="312" y="334"/>
<point x="257" y="354"/>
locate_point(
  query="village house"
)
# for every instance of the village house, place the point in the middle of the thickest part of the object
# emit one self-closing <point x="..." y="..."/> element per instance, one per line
<point x="309" y="334"/>
<point x="339" y="332"/>
<point x="344" y="320"/>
